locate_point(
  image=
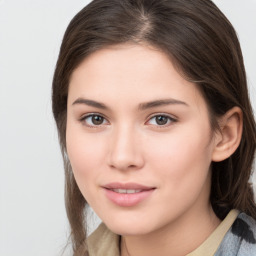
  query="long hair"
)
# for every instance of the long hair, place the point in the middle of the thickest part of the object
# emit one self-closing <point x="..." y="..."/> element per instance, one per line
<point x="204" y="48"/>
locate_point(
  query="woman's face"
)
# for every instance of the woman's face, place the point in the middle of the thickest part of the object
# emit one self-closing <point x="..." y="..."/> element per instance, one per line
<point x="138" y="139"/>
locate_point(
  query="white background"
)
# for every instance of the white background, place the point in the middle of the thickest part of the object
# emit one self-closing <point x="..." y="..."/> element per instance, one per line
<point x="32" y="213"/>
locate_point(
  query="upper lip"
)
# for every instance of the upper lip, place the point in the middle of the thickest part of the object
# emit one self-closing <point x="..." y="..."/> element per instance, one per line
<point x="130" y="185"/>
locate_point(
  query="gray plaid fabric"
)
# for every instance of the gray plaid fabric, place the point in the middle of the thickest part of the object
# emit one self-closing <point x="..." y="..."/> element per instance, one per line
<point x="240" y="240"/>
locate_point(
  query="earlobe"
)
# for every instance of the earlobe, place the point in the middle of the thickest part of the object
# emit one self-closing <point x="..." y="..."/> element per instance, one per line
<point x="228" y="138"/>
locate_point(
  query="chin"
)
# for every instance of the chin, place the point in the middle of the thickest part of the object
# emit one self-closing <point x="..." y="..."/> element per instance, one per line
<point x="129" y="226"/>
<point x="128" y="230"/>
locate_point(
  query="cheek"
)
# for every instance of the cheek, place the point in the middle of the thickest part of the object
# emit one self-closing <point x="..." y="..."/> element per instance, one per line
<point x="86" y="154"/>
<point x="181" y="166"/>
<point x="183" y="156"/>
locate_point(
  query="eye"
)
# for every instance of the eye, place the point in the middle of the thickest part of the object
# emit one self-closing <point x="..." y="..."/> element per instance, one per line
<point x="161" y="120"/>
<point x="94" y="120"/>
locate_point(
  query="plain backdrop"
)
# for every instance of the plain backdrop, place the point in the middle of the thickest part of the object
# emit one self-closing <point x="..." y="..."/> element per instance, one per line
<point x="32" y="214"/>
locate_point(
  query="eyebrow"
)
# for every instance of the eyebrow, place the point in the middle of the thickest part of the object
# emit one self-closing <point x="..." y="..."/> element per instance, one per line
<point x="91" y="103"/>
<point x="158" y="103"/>
<point x="142" y="106"/>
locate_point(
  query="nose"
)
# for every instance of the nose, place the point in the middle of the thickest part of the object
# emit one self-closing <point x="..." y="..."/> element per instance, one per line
<point x="125" y="150"/>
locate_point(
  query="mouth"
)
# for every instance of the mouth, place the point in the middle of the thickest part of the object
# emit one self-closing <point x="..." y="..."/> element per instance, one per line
<point x="127" y="194"/>
<point x="126" y="191"/>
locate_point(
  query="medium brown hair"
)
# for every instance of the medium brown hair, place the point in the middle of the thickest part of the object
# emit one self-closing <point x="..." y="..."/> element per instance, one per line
<point x="204" y="47"/>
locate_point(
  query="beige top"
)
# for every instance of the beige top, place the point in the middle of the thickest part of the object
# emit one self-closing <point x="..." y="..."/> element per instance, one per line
<point x="103" y="242"/>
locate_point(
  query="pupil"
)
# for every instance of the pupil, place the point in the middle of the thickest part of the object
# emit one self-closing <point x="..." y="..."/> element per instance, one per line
<point x="97" y="120"/>
<point x="161" y="120"/>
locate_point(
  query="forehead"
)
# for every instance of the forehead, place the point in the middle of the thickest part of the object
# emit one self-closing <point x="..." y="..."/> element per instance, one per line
<point x="124" y="71"/>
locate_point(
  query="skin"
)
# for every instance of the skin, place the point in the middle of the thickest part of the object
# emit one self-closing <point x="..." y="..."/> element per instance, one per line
<point x="130" y="146"/>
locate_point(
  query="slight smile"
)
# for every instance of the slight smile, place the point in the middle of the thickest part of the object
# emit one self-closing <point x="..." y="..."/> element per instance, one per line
<point x="127" y="194"/>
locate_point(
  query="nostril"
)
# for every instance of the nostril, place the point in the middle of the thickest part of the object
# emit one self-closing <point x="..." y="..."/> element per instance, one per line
<point x="123" y="154"/>
<point x="125" y="165"/>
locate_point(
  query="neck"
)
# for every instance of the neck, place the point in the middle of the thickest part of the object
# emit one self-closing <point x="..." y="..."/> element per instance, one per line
<point x="179" y="238"/>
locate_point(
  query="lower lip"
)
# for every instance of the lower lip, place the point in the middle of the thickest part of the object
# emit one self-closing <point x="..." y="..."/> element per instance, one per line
<point x="128" y="200"/>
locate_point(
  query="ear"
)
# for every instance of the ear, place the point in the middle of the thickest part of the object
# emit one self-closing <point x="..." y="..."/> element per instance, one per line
<point x="228" y="138"/>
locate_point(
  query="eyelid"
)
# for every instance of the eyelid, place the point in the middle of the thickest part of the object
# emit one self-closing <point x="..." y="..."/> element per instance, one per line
<point x="172" y="119"/>
<point x="154" y="115"/>
<point x="83" y="117"/>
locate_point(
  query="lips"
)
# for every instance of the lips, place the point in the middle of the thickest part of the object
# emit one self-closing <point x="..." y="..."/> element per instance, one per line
<point x="127" y="194"/>
<point x="126" y="191"/>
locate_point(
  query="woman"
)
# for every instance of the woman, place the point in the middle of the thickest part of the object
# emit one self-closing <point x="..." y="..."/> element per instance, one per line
<point x="156" y="130"/>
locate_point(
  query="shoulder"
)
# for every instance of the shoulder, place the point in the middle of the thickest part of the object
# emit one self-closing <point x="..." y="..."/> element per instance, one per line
<point x="244" y="228"/>
<point x="103" y="242"/>
<point x="240" y="240"/>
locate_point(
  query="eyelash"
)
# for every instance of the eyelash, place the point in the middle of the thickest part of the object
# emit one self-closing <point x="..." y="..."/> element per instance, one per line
<point x="170" y="120"/>
<point x="83" y="120"/>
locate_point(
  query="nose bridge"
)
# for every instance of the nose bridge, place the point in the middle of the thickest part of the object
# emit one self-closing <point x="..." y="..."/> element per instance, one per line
<point x="125" y="152"/>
